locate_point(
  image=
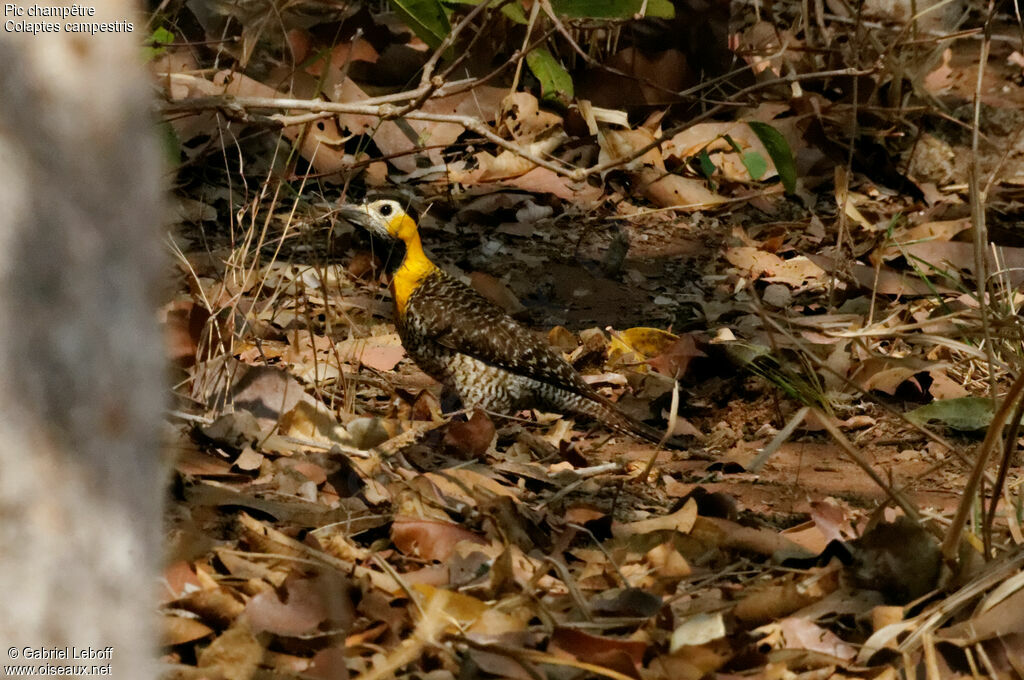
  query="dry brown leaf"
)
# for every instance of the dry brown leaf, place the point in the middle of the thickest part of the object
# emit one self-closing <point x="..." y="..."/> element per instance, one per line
<point x="727" y="534"/>
<point x="332" y="71"/>
<point x="698" y="629"/>
<point x="313" y="422"/>
<point x="458" y="484"/>
<point x="675" y="359"/>
<point x="711" y="137"/>
<point x="755" y="263"/>
<point x="522" y="116"/>
<point x="183" y="331"/>
<point x="473" y="615"/>
<point x="772" y="602"/>
<point x="497" y="292"/>
<point x="180" y="579"/>
<point x="249" y="459"/>
<point x="482" y="102"/>
<point x="624" y="656"/>
<point x="657" y="185"/>
<point x="693" y="662"/>
<point x="177" y="630"/>
<point x="306" y="603"/>
<point x="471" y="439"/>
<point x="796" y="633"/>
<point x="808" y="536"/>
<point x="429" y="539"/>
<point x="322" y="142"/>
<point x="236" y="653"/>
<point x="329" y="664"/>
<point x="379" y="352"/>
<point x="217" y="605"/>
<point x="886" y="375"/>
<point x="682" y="521"/>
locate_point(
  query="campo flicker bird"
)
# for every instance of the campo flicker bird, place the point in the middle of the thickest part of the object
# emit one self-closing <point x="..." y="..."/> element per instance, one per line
<point x="466" y="342"/>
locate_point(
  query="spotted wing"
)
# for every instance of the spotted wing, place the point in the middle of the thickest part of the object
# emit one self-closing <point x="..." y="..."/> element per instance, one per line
<point x="455" y="316"/>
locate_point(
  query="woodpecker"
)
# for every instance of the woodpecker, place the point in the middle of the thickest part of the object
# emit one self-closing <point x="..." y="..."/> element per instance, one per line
<point x="466" y="342"/>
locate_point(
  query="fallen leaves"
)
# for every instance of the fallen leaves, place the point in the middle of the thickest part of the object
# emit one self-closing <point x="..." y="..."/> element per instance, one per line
<point x="329" y="521"/>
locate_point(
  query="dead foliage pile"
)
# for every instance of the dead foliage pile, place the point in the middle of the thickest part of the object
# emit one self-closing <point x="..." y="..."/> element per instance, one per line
<point x="788" y="235"/>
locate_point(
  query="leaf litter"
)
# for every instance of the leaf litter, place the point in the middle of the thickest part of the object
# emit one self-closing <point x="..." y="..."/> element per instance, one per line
<point x="328" y="520"/>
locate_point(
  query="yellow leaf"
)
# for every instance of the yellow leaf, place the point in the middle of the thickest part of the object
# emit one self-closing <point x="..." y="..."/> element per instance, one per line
<point x="643" y="343"/>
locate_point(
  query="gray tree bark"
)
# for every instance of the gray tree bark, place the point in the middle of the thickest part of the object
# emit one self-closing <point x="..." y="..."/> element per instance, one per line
<point x="80" y="360"/>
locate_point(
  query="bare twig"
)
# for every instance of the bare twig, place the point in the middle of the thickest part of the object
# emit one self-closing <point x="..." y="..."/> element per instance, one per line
<point x="978" y="197"/>
<point x="854" y="455"/>
<point x="382" y="111"/>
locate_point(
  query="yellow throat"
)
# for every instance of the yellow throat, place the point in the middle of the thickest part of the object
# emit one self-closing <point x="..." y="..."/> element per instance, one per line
<point x="415" y="265"/>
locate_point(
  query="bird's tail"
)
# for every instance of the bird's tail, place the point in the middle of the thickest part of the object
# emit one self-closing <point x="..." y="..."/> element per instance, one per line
<point x="607" y="413"/>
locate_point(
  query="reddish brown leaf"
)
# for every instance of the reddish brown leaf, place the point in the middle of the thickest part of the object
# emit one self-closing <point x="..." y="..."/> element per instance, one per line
<point x="624" y="656"/>
<point x="471" y="438"/>
<point x="429" y="539"/>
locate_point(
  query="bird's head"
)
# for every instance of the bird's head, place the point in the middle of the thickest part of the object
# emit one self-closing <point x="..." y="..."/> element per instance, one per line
<point x="393" y="231"/>
<point x="386" y="218"/>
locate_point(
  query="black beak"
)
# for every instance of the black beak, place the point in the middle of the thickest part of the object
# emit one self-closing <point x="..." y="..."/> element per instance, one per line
<point x="356" y="215"/>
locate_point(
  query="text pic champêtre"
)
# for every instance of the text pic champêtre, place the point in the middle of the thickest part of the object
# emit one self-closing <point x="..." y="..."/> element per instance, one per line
<point x="75" y="10"/>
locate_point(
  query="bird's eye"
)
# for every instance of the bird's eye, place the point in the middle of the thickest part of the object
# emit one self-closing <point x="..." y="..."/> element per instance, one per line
<point x="385" y="210"/>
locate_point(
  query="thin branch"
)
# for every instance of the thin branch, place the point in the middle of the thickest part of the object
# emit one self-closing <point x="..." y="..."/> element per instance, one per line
<point x="978" y="197"/>
<point x="241" y="105"/>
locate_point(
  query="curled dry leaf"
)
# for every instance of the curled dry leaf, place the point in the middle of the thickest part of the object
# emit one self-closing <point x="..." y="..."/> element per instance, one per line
<point x="682" y="521"/>
<point x="698" y="629"/>
<point x="710" y="137"/>
<point x="654" y="181"/>
<point x="393" y="140"/>
<point x="904" y="241"/>
<point x="769" y="603"/>
<point x="522" y="116"/>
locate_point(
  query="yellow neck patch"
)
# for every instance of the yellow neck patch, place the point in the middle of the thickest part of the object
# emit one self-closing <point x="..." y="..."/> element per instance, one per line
<point x="415" y="265"/>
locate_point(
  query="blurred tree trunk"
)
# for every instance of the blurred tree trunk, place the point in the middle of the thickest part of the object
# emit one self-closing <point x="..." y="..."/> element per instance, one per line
<point x="80" y="366"/>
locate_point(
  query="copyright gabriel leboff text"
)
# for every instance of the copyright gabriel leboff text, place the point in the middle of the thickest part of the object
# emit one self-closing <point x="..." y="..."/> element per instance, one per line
<point x="77" y="661"/>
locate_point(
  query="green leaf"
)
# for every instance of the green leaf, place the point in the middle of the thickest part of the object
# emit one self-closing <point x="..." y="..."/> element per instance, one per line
<point x="966" y="413"/>
<point x="707" y="167"/>
<point x="778" y="149"/>
<point x="612" y="9"/>
<point x="555" y="81"/>
<point x="157" y="42"/>
<point x="512" y="10"/>
<point x="755" y="164"/>
<point x="426" y="18"/>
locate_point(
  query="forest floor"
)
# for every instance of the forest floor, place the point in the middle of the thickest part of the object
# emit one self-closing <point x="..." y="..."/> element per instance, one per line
<point x="328" y="521"/>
